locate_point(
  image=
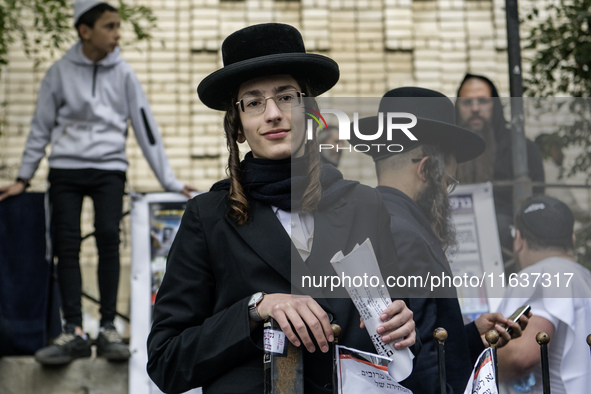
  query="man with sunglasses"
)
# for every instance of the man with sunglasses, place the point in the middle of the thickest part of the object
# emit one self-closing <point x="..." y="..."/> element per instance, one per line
<point x="414" y="184"/>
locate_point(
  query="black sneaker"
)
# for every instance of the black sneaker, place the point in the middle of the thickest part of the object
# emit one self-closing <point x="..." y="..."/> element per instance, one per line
<point x="110" y="345"/>
<point x="65" y="348"/>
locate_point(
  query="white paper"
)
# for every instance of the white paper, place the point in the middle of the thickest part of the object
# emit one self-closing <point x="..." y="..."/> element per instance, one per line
<point x="362" y="372"/>
<point x="482" y="379"/>
<point x="275" y="341"/>
<point x="371" y="297"/>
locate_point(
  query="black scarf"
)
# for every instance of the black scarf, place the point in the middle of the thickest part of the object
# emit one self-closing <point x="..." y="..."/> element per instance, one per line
<point x="273" y="181"/>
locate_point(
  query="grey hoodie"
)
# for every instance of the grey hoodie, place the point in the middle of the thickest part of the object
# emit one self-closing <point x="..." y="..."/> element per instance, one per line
<point x="82" y="110"/>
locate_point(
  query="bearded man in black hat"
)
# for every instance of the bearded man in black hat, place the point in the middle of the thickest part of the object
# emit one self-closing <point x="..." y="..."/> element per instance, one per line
<point x="415" y="184"/>
<point x="479" y="109"/>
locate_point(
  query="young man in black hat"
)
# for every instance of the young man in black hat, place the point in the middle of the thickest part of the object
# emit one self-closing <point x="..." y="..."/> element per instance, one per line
<point x="415" y="184"/>
<point x="241" y="247"/>
<point x="558" y="289"/>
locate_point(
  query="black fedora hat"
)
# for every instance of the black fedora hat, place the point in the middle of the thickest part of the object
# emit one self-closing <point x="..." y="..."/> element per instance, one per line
<point x="435" y="114"/>
<point x="265" y="49"/>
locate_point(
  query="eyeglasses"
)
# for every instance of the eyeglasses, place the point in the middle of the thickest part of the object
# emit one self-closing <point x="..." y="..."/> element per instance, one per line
<point x="451" y="186"/>
<point x="257" y="104"/>
<point x="470" y="101"/>
<point x="513" y="230"/>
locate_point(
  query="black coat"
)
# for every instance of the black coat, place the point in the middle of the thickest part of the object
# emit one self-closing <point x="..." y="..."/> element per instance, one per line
<point x="419" y="252"/>
<point x="200" y="334"/>
<point x="503" y="195"/>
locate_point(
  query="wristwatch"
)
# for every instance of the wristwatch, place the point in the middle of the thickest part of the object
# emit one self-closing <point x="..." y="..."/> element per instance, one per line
<point x="255" y="299"/>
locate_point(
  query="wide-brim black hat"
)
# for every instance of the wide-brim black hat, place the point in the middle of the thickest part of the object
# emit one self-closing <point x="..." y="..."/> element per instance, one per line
<point x="435" y="116"/>
<point x="265" y="49"/>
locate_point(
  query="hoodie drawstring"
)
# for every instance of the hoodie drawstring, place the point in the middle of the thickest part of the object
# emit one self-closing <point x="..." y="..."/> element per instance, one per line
<point x="94" y="78"/>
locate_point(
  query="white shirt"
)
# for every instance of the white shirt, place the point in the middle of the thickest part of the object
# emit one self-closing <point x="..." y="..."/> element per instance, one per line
<point x="568" y="353"/>
<point x="299" y="227"/>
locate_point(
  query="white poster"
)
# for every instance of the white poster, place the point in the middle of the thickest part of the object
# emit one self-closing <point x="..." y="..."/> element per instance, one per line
<point x="478" y="254"/>
<point x="362" y="372"/>
<point x="482" y="380"/>
<point x="155" y="219"/>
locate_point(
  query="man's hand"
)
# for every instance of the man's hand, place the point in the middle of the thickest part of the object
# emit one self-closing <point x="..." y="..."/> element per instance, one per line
<point x="398" y="325"/>
<point x="496" y="321"/>
<point x="299" y="313"/>
<point x="11" y="190"/>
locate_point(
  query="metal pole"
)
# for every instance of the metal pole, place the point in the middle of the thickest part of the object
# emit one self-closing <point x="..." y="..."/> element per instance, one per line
<point x="492" y="337"/>
<point x="522" y="188"/>
<point x="543" y="339"/>
<point x="440" y="334"/>
<point x="336" y="330"/>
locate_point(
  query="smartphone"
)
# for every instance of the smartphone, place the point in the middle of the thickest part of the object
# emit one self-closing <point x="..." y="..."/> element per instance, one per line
<point x="517" y="314"/>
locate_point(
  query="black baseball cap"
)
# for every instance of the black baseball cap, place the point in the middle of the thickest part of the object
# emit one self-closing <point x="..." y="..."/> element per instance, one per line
<point x="547" y="218"/>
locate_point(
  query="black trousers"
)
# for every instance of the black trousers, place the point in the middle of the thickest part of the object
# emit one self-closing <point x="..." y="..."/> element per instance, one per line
<point x="66" y="192"/>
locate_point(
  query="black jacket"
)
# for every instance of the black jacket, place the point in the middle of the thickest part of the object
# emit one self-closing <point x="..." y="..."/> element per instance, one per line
<point x="503" y="195"/>
<point x="503" y="166"/>
<point x="201" y="336"/>
<point x="420" y="253"/>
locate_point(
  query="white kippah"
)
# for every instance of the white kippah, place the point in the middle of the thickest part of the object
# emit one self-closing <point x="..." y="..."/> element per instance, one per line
<point x="81" y="6"/>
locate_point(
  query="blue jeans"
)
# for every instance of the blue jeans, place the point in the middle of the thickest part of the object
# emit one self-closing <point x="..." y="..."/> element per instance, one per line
<point x="66" y="192"/>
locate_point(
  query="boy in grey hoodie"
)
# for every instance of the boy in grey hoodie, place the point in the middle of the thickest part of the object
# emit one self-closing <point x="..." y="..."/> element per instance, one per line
<point x="83" y="106"/>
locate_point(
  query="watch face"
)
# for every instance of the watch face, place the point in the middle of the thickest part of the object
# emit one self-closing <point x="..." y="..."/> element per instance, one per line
<point x="255" y="298"/>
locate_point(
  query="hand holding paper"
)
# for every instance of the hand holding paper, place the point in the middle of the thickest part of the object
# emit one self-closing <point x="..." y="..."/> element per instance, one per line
<point x="396" y="325"/>
<point x="371" y="298"/>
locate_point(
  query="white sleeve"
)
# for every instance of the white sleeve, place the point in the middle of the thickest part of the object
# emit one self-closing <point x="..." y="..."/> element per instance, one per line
<point x="540" y="308"/>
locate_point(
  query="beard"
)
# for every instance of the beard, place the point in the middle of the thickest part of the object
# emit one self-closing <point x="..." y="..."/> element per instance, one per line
<point x="434" y="203"/>
<point x="482" y="168"/>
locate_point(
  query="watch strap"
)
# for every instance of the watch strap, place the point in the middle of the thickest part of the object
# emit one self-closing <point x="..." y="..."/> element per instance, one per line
<point x="254" y="314"/>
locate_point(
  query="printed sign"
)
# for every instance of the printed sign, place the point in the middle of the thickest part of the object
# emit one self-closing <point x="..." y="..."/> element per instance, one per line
<point x="275" y="342"/>
<point x="362" y="372"/>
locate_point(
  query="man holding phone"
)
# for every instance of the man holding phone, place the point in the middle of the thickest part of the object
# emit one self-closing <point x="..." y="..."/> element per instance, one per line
<point x="524" y="310"/>
<point x="560" y="302"/>
<point x="414" y="185"/>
